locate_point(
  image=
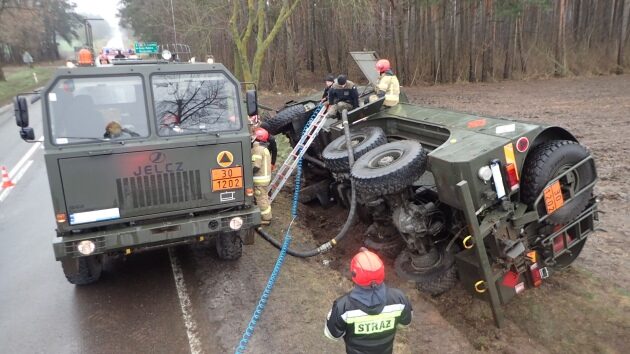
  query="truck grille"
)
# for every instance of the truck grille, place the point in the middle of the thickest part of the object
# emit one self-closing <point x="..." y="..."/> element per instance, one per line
<point x="159" y="189"/>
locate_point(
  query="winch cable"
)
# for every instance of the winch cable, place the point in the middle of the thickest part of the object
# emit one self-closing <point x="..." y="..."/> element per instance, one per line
<point x="353" y="203"/>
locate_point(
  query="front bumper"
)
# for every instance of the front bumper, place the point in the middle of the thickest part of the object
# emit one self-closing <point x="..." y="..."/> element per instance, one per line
<point x="155" y="235"/>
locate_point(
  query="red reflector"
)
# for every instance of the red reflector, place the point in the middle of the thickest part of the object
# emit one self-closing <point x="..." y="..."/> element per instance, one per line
<point x="512" y="176"/>
<point x="510" y="279"/>
<point x="477" y="123"/>
<point x="558" y="242"/>
<point x="535" y="272"/>
<point x="522" y="144"/>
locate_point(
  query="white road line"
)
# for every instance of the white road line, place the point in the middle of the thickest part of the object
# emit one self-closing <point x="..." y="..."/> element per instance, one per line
<point x="24" y="158"/>
<point x="17" y="171"/>
<point x="185" y="304"/>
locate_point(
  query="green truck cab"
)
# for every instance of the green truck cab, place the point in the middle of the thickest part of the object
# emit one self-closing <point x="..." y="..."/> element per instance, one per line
<point x="145" y="156"/>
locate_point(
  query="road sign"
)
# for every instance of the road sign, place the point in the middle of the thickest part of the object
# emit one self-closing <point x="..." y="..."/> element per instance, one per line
<point x="149" y="47"/>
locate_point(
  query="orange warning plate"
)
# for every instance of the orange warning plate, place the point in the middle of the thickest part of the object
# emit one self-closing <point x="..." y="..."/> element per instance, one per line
<point x="227" y="178"/>
<point x="222" y="173"/>
<point x="553" y="197"/>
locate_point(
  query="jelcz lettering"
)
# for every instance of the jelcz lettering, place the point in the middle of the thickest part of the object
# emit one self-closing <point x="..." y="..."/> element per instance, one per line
<point x="157" y="169"/>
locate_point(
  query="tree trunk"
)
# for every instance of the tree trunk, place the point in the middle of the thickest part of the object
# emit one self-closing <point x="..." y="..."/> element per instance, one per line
<point x="487" y="70"/>
<point x="472" y="77"/>
<point x="620" y="23"/>
<point x="2" y="77"/>
<point x="291" y="65"/>
<point x="560" y="52"/>
<point x="507" y="66"/>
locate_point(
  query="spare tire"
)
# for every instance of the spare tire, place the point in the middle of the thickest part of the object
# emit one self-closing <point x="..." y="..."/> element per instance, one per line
<point x="548" y="161"/>
<point x="389" y="168"/>
<point x="335" y="154"/>
<point x="280" y="123"/>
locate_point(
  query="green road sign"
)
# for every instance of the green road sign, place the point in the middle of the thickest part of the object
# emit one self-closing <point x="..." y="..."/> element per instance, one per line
<point x="150" y="47"/>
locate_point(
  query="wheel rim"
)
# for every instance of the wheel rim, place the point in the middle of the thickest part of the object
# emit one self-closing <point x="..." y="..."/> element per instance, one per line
<point x="572" y="180"/>
<point x="385" y="158"/>
<point x="354" y="141"/>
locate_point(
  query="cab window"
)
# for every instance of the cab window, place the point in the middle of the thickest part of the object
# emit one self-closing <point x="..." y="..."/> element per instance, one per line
<point x="97" y="109"/>
<point x="194" y="103"/>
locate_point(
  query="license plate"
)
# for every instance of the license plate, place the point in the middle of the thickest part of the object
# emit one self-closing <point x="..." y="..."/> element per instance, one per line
<point x="553" y="197"/>
<point x="227" y="178"/>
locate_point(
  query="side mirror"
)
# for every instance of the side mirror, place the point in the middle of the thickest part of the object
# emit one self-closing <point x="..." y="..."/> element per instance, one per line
<point x="20" y="107"/>
<point x="252" y="102"/>
<point x="27" y="134"/>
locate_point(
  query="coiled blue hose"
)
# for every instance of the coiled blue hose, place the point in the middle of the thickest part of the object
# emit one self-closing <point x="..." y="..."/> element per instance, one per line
<point x="262" y="302"/>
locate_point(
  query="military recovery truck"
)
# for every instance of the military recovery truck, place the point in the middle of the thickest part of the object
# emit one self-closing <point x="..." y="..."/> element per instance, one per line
<point x="145" y="155"/>
<point x="497" y="203"/>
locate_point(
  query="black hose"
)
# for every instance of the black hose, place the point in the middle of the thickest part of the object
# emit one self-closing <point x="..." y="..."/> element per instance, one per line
<point x="351" y="214"/>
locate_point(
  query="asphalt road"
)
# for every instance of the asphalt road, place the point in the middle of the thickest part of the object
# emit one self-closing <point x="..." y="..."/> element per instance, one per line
<point x="134" y="308"/>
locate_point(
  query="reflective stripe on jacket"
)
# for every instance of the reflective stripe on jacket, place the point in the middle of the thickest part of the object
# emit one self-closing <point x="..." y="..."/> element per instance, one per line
<point x="368" y="329"/>
<point x="261" y="161"/>
<point x="388" y="83"/>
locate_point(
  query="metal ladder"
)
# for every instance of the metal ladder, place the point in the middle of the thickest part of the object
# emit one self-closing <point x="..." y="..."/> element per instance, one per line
<point x="298" y="151"/>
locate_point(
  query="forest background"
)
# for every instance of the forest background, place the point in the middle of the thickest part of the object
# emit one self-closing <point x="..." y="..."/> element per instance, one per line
<point x="277" y="43"/>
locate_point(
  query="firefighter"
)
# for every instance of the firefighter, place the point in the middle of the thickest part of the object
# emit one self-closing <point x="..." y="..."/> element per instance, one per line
<point x="342" y="95"/>
<point x="387" y="84"/>
<point x="261" y="162"/>
<point x="367" y="317"/>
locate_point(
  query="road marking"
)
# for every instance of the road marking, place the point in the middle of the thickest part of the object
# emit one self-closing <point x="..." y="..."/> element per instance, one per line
<point x="185" y="304"/>
<point x="17" y="172"/>
<point x="26" y="156"/>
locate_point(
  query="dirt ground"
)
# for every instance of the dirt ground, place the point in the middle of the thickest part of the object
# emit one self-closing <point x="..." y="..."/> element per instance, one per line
<point x="585" y="309"/>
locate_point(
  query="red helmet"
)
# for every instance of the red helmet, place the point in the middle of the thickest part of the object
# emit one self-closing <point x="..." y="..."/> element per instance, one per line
<point x="383" y="65"/>
<point x="367" y="268"/>
<point x="261" y="134"/>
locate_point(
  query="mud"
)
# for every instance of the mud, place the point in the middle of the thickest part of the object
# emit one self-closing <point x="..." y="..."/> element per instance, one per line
<point x="583" y="309"/>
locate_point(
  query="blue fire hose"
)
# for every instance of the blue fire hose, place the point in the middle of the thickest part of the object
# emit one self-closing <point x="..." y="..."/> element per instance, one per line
<point x="249" y="331"/>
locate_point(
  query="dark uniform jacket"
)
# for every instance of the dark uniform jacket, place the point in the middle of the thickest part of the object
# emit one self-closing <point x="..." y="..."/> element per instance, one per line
<point x="369" y="329"/>
<point x="346" y="93"/>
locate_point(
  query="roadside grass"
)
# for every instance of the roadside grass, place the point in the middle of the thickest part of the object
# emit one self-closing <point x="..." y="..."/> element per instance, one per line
<point x="20" y="79"/>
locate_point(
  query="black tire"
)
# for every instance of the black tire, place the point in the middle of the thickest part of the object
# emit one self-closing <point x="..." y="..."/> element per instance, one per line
<point x="83" y="270"/>
<point x="281" y="122"/>
<point x="385" y="248"/>
<point x="548" y="161"/>
<point x="335" y="155"/>
<point x="389" y="168"/>
<point x="229" y="246"/>
<point x="437" y="277"/>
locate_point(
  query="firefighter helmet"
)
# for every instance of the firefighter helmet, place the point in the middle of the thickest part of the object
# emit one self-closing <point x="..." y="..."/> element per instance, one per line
<point x="367" y="268"/>
<point x="383" y="65"/>
<point x="261" y="134"/>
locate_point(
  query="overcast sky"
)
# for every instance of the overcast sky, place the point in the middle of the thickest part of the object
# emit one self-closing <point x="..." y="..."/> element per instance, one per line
<point x="106" y="9"/>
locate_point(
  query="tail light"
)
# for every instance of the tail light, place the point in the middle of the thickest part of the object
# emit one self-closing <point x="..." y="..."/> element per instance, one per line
<point x="249" y="192"/>
<point x="61" y="218"/>
<point x="534" y="270"/>
<point x="512" y="176"/>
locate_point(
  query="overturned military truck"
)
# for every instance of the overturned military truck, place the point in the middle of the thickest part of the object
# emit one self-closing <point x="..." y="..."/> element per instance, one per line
<point x="496" y="203"/>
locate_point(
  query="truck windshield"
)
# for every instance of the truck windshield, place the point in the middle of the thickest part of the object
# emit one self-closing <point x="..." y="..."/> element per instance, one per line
<point x="195" y="103"/>
<point x="97" y="109"/>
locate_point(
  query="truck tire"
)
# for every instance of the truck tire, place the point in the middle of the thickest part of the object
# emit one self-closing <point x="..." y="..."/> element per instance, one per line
<point x="83" y="270"/>
<point x="229" y="246"/>
<point x="438" y="276"/>
<point x="548" y="161"/>
<point x="335" y="155"/>
<point x="281" y="122"/>
<point x="389" y="168"/>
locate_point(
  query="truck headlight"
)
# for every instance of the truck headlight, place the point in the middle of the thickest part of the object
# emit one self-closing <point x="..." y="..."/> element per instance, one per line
<point x="236" y="223"/>
<point x="86" y="247"/>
